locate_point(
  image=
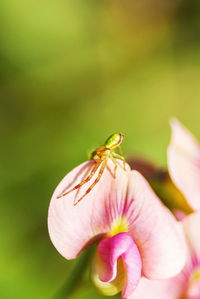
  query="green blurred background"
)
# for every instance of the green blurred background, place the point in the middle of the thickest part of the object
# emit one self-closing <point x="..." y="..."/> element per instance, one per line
<point x="71" y="73"/>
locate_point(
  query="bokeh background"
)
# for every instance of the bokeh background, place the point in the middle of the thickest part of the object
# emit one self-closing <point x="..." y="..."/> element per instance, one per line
<point x="72" y="73"/>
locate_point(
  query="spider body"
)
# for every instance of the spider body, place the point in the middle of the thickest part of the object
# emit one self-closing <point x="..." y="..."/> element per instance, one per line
<point x="106" y="150"/>
<point x="101" y="155"/>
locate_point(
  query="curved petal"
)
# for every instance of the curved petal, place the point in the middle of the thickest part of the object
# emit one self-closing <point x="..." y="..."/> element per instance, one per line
<point x="191" y="226"/>
<point x="110" y="250"/>
<point x="184" y="163"/>
<point x="72" y="228"/>
<point x="154" y="229"/>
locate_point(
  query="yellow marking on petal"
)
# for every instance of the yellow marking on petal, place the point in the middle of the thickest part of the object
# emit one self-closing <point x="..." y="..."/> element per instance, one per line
<point x="113" y="287"/>
<point x="120" y="225"/>
<point x="196" y="274"/>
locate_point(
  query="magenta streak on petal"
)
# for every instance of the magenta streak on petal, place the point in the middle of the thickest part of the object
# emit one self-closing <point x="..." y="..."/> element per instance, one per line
<point x="120" y="246"/>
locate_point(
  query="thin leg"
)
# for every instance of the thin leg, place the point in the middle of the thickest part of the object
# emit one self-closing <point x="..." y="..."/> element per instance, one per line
<point x="120" y="151"/>
<point x="117" y="156"/>
<point x="113" y="175"/>
<point x="95" y="182"/>
<point x="122" y="154"/>
<point x="93" y="171"/>
<point x="116" y="164"/>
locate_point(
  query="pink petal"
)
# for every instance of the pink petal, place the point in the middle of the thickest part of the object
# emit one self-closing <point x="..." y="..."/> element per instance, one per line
<point x="180" y="286"/>
<point x="180" y="215"/>
<point x="193" y="291"/>
<point x="110" y="250"/>
<point x="191" y="225"/>
<point x="151" y="225"/>
<point x="184" y="163"/>
<point x="155" y="231"/>
<point x="157" y="289"/>
<point x="72" y="228"/>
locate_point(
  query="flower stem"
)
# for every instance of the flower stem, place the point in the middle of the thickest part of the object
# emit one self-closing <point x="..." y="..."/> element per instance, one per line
<point x="76" y="275"/>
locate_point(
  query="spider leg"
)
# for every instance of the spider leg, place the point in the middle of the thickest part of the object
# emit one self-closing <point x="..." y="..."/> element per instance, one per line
<point x="122" y="154"/>
<point x="117" y="156"/>
<point x="113" y="175"/>
<point x="95" y="182"/>
<point x="116" y="164"/>
<point x="120" y="151"/>
<point x="93" y="171"/>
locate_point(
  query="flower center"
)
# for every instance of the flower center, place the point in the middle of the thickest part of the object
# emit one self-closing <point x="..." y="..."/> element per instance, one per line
<point x="119" y="225"/>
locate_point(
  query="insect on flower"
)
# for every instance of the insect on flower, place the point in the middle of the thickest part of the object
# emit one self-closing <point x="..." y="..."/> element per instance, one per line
<point x="101" y="155"/>
<point x="135" y="234"/>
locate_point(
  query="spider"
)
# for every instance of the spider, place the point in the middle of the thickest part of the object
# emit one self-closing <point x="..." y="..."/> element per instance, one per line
<point x="101" y="155"/>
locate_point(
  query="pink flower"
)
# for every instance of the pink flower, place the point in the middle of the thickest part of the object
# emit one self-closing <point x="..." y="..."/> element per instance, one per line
<point x="184" y="163"/>
<point x="136" y="235"/>
<point x="186" y="285"/>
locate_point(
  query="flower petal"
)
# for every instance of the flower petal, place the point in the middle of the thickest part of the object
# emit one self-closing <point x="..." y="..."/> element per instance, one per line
<point x="191" y="226"/>
<point x="128" y="197"/>
<point x="72" y="228"/>
<point x="110" y="250"/>
<point x="193" y="292"/>
<point x="158" y="289"/>
<point x="154" y="229"/>
<point x="184" y="284"/>
<point x="184" y="163"/>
